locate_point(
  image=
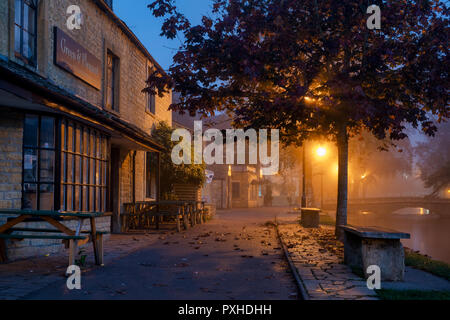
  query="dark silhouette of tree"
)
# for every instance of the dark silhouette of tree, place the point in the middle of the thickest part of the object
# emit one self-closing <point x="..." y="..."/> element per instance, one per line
<point x="310" y="67"/>
<point x="434" y="161"/>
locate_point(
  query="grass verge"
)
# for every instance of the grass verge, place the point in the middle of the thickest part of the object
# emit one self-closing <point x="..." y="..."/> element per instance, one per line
<point x="386" y="294"/>
<point x="425" y="263"/>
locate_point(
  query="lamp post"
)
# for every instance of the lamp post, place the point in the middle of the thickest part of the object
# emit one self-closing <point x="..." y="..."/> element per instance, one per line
<point x="321" y="152"/>
<point x="229" y="187"/>
<point x="303" y="202"/>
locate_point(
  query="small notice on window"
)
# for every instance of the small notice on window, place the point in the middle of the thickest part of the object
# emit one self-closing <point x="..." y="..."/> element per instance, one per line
<point x="28" y="162"/>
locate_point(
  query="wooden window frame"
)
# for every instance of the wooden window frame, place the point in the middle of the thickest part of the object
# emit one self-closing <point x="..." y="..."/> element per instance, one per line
<point x="150" y="101"/>
<point x="20" y="54"/>
<point x="92" y="165"/>
<point x="115" y="106"/>
<point x="38" y="148"/>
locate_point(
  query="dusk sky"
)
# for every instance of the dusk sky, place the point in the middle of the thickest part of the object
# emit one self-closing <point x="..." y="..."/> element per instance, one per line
<point x="148" y="28"/>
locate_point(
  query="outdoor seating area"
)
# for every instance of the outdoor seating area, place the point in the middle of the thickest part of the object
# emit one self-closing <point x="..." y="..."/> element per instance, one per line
<point x="148" y="214"/>
<point x="71" y="238"/>
<point x="366" y="246"/>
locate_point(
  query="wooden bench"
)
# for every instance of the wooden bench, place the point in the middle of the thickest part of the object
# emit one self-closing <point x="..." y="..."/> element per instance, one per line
<point x="366" y="246"/>
<point x="71" y="238"/>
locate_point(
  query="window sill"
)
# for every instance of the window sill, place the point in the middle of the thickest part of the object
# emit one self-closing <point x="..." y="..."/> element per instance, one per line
<point x="24" y="63"/>
<point x="150" y="113"/>
<point x="113" y="112"/>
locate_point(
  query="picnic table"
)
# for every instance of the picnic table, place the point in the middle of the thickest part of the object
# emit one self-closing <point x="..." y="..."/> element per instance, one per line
<point x="71" y="238"/>
<point x="144" y="214"/>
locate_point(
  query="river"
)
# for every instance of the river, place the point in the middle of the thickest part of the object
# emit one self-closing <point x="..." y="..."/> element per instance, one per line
<point x="430" y="233"/>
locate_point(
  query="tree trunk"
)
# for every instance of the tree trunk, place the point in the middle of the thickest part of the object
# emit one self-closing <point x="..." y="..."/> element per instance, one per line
<point x="341" y="211"/>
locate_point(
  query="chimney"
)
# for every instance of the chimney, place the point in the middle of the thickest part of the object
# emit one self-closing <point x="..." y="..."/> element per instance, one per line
<point x="109" y="3"/>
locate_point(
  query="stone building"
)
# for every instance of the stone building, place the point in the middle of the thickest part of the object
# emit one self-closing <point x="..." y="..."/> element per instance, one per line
<point x="231" y="186"/>
<point x="75" y="126"/>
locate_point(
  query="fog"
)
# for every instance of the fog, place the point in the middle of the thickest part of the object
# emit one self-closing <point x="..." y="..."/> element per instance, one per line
<point x="398" y="188"/>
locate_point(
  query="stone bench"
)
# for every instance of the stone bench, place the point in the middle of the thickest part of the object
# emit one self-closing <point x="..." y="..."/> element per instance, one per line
<point x="366" y="246"/>
<point x="310" y="217"/>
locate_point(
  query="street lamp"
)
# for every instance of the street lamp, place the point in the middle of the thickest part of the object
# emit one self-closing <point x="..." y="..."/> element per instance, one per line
<point x="303" y="202"/>
<point x="229" y="187"/>
<point x="321" y="152"/>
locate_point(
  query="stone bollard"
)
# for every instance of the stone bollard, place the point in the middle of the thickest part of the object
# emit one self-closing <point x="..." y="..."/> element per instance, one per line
<point x="310" y="217"/>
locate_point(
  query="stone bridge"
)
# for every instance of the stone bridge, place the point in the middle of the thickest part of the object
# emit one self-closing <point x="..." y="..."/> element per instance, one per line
<point x="389" y="205"/>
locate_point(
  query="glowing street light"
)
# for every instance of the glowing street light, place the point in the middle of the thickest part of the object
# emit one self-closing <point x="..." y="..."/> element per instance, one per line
<point x="321" y="151"/>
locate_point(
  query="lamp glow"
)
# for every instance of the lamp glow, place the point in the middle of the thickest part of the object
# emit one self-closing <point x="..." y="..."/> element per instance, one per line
<point x="321" y="151"/>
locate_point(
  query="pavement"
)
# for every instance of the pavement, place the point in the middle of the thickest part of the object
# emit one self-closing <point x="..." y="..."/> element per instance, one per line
<point x="322" y="274"/>
<point x="318" y="260"/>
<point x="233" y="256"/>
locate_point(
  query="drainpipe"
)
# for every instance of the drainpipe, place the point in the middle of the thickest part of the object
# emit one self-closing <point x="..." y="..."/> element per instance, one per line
<point x="134" y="176"/>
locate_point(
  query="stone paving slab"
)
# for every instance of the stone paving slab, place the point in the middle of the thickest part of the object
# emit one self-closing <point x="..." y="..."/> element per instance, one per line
<point x="323" y="275"/>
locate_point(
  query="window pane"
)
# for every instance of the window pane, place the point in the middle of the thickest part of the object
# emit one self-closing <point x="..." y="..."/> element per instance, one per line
<point x="85" y="199"/>
<point x="97" y="172"/>
<point x="70" y="138"/>
<point x="69" y="168"/>
<point x="31" y="131"/>
<point x="104" y="145"/>
<point x="97" y="147"/>
<point x="63" y="136"/>
<point x="77" y="198"/>
<point x="97" y="200"/>
<point x="85" y="170"/>
<point x="104" y="200"/>
<point x="85" y="142"/>
<point x="77" y="169"/>
<point x="93" y="170"/>
<point x="91" y="198"/>
<point x="47" y="132"/>
<point x="46" y="197"/>
<point x="17" y="32"/>
<point x="47" y="166"/>
<point x="78" y="144"/>
<point x="63" y="198"/>
<point x="105" y="173"/>
<point x="29" y="19"/>
<point x="26" y="14"/>
<point x="31" y="47"/>
<point x="69" y="198"/>
<point x="30" y="165"/>
<point x="29" y="196"/>
<point x="18" y="12"/>
<point x="91" y="145"/>
<point x="25" y="43"/>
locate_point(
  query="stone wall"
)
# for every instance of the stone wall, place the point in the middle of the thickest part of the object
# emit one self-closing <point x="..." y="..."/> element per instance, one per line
<point x="11" y="136"/>
<point x="4" y="27"/>
<point x="98" y="34"/>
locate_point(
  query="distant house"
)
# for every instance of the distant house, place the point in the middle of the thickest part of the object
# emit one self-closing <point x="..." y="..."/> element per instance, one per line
<point x="235" y="186"/>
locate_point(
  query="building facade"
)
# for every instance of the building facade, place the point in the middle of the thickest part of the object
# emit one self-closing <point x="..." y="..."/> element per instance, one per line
<point x="230" y="186"/>
<point x="75" y="126"/>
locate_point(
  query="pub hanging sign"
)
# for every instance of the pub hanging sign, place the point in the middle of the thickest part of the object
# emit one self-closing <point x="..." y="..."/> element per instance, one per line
<point x="75" y="59"/>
